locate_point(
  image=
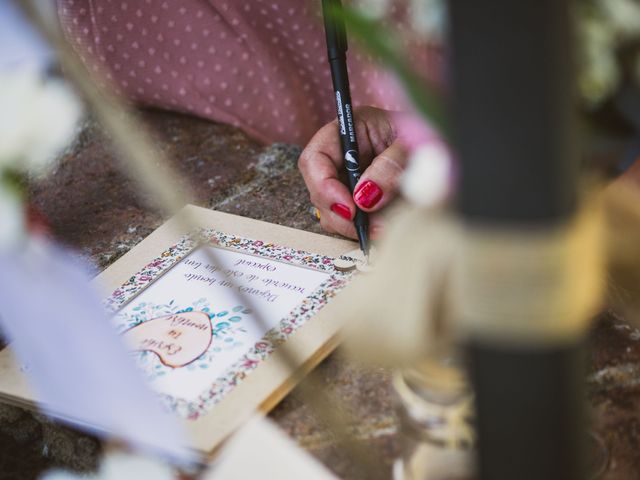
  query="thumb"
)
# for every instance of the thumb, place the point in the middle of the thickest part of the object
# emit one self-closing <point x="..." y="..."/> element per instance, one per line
<point x="380" y="181"/>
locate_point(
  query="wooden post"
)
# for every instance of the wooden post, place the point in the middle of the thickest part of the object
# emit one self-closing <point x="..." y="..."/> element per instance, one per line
<point x="513" y="99"/>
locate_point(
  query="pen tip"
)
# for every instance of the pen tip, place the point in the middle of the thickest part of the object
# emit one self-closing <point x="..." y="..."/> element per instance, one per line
<point x="363" y="239"/>
<point x="366" y="253"/>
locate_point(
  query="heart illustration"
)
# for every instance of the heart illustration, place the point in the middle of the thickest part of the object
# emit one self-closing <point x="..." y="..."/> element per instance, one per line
<point x="176" y="339"/>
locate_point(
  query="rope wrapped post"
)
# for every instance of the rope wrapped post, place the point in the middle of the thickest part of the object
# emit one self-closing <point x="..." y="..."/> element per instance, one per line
<point x="527" y="279"/>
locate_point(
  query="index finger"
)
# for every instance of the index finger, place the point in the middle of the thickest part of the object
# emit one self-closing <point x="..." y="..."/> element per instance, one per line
<point x="320" y="174"/>
<point x="326" y="142"/>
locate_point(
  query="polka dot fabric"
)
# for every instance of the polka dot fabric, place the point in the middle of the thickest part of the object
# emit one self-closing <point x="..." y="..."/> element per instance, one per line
<point x="258" y="65"/>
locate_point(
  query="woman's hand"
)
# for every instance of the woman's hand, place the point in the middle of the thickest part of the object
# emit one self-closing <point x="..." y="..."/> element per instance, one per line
<point x="382" y="159"/>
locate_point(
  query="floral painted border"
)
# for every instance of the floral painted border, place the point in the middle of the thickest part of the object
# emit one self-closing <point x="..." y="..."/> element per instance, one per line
<point x="271" y="340"/>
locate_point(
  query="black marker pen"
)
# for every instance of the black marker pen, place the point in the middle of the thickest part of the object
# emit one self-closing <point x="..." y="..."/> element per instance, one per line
<point x="337" y="52"/>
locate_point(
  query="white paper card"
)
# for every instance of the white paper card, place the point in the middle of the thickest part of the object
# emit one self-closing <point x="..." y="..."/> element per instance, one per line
<point x="189" y="327"/>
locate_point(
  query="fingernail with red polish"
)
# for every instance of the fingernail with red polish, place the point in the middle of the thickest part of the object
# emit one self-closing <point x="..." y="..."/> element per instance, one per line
<point x="341" y="210"/>
<point x="368" y="194"/>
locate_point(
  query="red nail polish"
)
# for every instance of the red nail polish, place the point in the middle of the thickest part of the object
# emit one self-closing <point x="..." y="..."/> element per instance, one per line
<point x="341" y="210"/>
<point x="368" y="194"/>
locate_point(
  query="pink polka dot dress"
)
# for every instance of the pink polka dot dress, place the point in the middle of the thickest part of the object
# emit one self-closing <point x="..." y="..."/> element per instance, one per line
<point x="258" y="65"/>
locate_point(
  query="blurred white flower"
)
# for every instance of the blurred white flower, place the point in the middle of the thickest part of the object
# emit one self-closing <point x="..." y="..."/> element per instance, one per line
<point x="428" y="177"/>
<point x="603" y="27"/>
<point x="64" y="475"/>
<point x="37" y="119"/>
<point x="12" y="223"/>
<point x="624" y="15"/>
<point x="123" y="466"/>
<point x="599" y="74"/>
<point x="373" y="8"/>
<point x="120" y="466"/>
<point x="429" y="18"/>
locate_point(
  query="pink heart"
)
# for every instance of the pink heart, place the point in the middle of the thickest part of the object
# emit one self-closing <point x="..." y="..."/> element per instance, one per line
<point x="177" y="339"/>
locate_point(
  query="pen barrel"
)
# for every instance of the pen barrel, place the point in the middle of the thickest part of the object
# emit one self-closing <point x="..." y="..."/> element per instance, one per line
<point x="336" y="52"/>
<point x="334" y="28"/>
<point x="346" y="120"/>
<point x="361" y="218"/>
